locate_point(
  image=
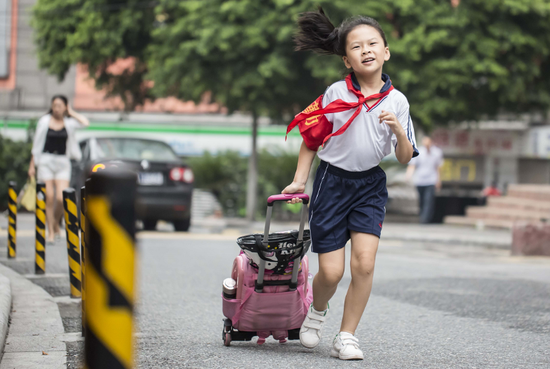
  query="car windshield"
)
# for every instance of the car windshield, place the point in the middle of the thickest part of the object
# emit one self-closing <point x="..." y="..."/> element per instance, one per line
<point x="134" y="149"/>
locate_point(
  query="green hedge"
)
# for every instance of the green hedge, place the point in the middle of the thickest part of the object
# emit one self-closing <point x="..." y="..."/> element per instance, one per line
<point x="14" y="165"/>
<point x="225" y="174"/>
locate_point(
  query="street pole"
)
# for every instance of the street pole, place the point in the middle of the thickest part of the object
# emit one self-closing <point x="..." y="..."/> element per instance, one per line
<point x="110" y="267"/>
<point x="12" y="220"/>
<point x="73" y="243"/>
<point x="40" y="235"/>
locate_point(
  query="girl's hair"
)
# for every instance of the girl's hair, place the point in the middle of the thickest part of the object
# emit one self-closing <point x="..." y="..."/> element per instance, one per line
<point x="60" y="97"/>
<point x="316" y="32"/>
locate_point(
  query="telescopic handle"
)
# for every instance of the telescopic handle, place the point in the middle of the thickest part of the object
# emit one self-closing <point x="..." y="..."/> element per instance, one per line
<point x="286" y="197"/>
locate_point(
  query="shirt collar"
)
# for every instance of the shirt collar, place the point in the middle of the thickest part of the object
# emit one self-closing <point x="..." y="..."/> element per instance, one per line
<point x="353" y="83"/>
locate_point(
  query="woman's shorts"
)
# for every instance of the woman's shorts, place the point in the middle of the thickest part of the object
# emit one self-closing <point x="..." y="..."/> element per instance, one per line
<point x="52" y="166"/>
<point x="345" y="201"/>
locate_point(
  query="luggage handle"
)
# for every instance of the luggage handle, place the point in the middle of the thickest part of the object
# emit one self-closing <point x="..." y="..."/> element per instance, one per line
<point x="295" y="268"/>
<point x="286" y="197"/>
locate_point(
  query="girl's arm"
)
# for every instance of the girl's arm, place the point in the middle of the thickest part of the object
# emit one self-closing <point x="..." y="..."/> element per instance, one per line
<point x="404" y="149"/>
<point x="298" y="185"/>
<point x="79" y="117"/>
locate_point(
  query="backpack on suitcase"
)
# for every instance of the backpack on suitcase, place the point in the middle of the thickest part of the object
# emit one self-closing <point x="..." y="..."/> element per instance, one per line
<point x="268" y="293"/>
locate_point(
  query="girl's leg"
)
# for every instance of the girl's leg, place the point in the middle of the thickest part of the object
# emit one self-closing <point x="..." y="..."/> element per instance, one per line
<point x="363" y="255"/>
<point x="60" y="185"/>
<point x="331" y="270"/>
<point x="50" y="205"/>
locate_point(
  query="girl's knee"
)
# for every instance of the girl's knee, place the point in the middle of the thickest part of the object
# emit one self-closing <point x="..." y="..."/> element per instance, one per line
<point x="362" y="266"/>
<point x="330" y="276"/>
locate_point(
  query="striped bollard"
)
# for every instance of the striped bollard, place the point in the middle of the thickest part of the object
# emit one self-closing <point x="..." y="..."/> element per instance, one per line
<point x="110" y="265"/>
<point x="83" y="252"/>
<point x="73" y="243"/>
<point x="12" y="220"/>
<point x="40" y="242"/>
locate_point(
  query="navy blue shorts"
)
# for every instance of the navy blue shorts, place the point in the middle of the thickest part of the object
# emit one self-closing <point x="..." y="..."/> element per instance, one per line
<point x="345" y="201"/>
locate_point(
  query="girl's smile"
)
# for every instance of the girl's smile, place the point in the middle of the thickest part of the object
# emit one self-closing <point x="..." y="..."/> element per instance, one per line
<point x="365" y="50"/>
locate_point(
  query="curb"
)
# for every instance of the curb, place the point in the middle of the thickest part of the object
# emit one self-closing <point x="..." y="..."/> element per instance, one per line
<point x="5" y="308"/>
<point x="35" y="337"/>
<point x="489" y="243"/>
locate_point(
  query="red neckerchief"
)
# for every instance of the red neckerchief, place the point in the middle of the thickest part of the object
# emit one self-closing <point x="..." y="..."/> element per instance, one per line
<point x="338" y="106"/>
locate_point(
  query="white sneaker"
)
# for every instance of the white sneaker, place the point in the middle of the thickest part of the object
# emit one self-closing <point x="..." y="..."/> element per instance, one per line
<point x="346" y="347"/>
<point x="310" y="332"/>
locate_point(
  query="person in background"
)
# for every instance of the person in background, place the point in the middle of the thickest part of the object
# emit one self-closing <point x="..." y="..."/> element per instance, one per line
<point x="53" y="148"/>
<point x="425" y="170"/>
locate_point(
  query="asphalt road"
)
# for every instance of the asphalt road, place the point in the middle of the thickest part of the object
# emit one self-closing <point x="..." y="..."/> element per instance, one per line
<point x="432" y="306"/>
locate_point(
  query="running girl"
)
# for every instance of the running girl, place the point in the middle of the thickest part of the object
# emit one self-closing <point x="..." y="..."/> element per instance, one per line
<point x="357" y="119"/>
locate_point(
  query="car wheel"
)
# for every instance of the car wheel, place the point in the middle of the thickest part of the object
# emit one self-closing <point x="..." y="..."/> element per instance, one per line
<point x="182" y="225"/>
<point x="150" y="224"/>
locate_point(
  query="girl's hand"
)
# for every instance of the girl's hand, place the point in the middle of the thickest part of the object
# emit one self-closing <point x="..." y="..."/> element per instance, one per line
<point x="294" y="187"/>
<point x="70" y="110"/>
<point x="391" y="120"/>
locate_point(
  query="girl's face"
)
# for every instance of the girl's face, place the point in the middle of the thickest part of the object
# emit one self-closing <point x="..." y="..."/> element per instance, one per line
<point x="365" y="50"/>
<point x="59" y="108"/>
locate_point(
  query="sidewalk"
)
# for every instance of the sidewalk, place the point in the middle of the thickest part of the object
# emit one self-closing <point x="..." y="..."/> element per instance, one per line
<point x="429" y="233"/>
<point x="438" y="233"/>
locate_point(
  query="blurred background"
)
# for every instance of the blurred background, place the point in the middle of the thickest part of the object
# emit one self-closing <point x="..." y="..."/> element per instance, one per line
<point x="219" y="81"/>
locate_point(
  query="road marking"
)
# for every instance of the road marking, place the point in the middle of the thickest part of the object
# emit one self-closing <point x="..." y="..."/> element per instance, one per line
<point x="184" y="236"/>
<point x="25" y="233"/>
<point x="43" y="276"/>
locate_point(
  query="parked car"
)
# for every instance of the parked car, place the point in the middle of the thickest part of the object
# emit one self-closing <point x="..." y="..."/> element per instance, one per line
<point x="165" y="182"/>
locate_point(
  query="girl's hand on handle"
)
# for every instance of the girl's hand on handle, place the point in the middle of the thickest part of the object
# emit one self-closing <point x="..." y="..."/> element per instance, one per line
<point x="294" y="187"/>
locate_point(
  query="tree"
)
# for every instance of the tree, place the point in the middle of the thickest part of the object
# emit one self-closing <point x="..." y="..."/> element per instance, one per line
<point x="241" y="52"/>
<point x="454" y="60"/>
<point x="96" y="33"/>
<point x="469" y="60"/>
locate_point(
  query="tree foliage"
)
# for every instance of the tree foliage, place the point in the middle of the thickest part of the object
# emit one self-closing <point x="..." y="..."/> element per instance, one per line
<point x="479" y="59"/>
<point x="467" y="62"/>
<point x="96" y="33"/>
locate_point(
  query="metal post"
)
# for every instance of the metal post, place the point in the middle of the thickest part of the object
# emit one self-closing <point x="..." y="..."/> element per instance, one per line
<point x="83" y="252"/>
<point x="73" y="243"/>
<point x="12" y="220"/>
<point x="40" y="242"/>
<point x="110" y="265"/>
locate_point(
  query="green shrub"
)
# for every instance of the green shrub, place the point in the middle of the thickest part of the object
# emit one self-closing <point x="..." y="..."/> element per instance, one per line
<point x="225" y="174"/>
<point x="14" y="165"/>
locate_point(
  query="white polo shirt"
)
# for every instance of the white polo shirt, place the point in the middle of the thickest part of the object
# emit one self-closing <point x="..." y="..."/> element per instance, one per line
<point x="366" y="141"/>
<point x="427" y="166"/>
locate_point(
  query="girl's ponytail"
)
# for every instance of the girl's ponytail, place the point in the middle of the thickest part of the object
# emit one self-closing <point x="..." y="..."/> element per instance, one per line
<point x="316" y="32"/>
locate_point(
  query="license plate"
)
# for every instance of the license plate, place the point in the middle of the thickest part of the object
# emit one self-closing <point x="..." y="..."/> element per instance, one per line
<point x="151" y="179"/>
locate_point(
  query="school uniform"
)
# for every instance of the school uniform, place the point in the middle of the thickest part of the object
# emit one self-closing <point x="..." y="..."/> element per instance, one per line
<point x="349" y="192"/>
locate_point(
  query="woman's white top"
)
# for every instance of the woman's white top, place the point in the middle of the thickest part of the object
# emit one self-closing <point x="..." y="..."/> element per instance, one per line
<point x="71" y="125"/>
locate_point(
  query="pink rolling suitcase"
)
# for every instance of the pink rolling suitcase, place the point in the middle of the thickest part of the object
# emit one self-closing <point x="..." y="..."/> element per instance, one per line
<point x="271" y="293"/>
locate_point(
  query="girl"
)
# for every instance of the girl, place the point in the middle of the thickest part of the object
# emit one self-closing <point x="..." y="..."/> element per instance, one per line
<point x="357" y="119"/>
<point x="53" y="147"/>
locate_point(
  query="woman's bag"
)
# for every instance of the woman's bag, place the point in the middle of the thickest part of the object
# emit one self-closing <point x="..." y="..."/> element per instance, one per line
<point x="27" y="196"/>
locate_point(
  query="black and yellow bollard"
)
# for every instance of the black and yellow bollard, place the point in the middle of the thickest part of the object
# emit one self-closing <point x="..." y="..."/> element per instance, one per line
<point x="12" y="220"/>
<point x="73" y="243"/>
<point x="40" y="242"/>
<point x="110" y="265"/>
<point x="83" y="252"/>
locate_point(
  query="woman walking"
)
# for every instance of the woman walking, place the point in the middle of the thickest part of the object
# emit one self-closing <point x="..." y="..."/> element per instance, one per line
<point x="53" y="148"/>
